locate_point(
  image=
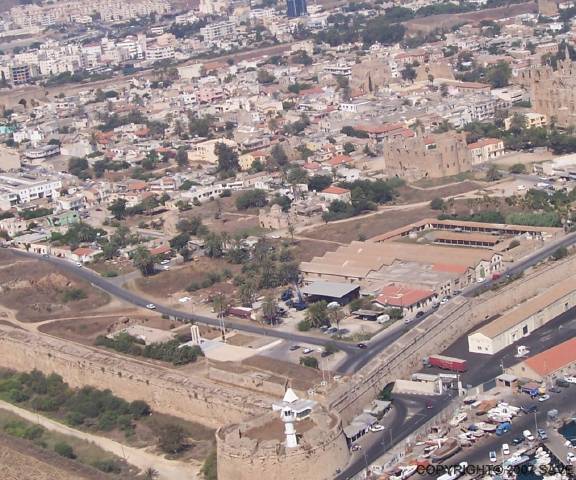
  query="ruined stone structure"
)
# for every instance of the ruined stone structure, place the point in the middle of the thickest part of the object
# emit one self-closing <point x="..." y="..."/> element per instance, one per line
<point x="275" y="218"/>
<point x="553" y="92"/>
<point x="419" y="156"/>
<point x="371" y="75"/>
<point x="166" y="390"/>
<point x="548" y="8"/>
<point x="256" y="449"/>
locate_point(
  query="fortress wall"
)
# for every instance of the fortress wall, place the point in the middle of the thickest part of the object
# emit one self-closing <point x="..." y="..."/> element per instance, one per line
<point x="167" y="390"/>
<point x="243" y="459"/>
<point x="436" y="333"/>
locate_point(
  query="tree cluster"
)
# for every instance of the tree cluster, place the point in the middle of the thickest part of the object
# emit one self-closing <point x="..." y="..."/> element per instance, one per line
<point x="170" y="351"/>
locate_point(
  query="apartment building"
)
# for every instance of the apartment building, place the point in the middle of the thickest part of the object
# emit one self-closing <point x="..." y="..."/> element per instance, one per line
<point x="218" y="31"/>
<point x="205" y="152"/>
<point x="21" y="189"/>
<point x="486" y="149"/>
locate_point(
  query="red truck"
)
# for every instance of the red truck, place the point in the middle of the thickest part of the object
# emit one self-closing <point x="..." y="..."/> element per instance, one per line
<point x="447" y="363"/>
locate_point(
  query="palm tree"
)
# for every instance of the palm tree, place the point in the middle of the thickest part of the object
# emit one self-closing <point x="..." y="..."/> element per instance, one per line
<point x="150" y="474"/>
<point x="270" y="309"/>
<point x="219" y="304"/>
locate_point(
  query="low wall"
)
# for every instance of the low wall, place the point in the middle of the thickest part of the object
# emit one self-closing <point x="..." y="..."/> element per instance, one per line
<point x="417" y="388"/>
<point x="316" y="458"/>
<point x="436" y="333"/>
<point x="166" y="390"/>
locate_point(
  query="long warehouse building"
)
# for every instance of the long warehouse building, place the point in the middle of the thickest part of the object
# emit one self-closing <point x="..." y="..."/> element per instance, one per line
<point x="524" y="319"/>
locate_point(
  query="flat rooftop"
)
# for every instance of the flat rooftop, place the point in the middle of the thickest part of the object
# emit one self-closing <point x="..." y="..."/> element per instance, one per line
<point x="527" y="309"/>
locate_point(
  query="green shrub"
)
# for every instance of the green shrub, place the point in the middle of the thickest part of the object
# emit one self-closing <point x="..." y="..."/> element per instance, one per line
<point x="64" y="450"/>
<point x="107" y="466"/>
<point x="310" y="362"/>
<point x="73" y="294"/>
<point x="304" y="326"/>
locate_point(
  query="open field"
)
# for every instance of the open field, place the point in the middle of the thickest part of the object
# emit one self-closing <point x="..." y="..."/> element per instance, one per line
<point x="85" y="330"/>
<point x="36" y="291"/>
<point x="446" y="21"/>
<point x="432" y="189"/>
<point x="36" y="460"/>
<point x="369" y="226"/>
<point x="167" y="284"/>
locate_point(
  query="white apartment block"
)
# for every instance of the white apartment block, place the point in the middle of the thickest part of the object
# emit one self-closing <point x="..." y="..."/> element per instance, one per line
<point x="21" y="189"/>
<point x="218" y="31"/>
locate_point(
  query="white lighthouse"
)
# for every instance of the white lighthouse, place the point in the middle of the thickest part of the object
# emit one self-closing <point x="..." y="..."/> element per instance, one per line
<point x="292" y="409"/>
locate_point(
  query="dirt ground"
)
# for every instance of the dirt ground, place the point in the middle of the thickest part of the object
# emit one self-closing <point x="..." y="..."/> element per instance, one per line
<point x="20" y="460"/>
<point x="85" y="330"/>
<point x="274" y="430"/>
<point x="306" y="250"/>
<point x="525" y="158"/>
<point x="433" y="22"/>
<point x="302" y="378"/>
<point x="35" y="290"/>
<point x="168" y="283"/>
<point x="408" y="194"/>
<point x="370" y="226"/>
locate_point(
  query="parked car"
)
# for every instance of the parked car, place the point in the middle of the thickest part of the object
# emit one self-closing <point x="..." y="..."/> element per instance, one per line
<point x="543" y="398"/>
<point x="517" y="440"/>
<point x="420" y="314"/>
<point x="542" y="434"/>
<point x="294" y="347"/>
<point x="493" y="456"/>
<point x="151" y="306"/>
<point x="306" y="351"/>
<point x="505" y="449"/>
<point x="363" y="346"/>
<point x="570" y="379"/>
<point x="562" y="383"/>
<point x="376" y="427"/>
<point x="78" y="264"/>
<point x="529" y="408"/>
<point x="165" y="262"/>
<point x="528" y="435"/>
<point x="554" y="389"/>
<point x="355" y="447"/>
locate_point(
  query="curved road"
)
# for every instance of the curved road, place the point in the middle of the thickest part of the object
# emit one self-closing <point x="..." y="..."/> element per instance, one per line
<point x="356" y="358"/>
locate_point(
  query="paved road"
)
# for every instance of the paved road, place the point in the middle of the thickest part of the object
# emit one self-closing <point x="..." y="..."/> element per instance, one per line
<point x="128" y="296"/>
<point x="356" y="358"/>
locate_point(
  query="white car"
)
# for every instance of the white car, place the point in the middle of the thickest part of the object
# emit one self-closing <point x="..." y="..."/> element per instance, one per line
<point x="376" y="427"/>
<point x="570" y="379"/>
<point x="184" y="299"/>
<point x="306" y="351"/>
<point x="166" y="267"/>
<point x="151" y="306"/>
<point x="543" y="398"/>
<point x="521" y="187"/>
<point x="528" y="435"/>
<point x="493" y="456"/>
<point x="165" y="262"/>
<point x="78" y="264"/>
<point x="443" y="301"/>
<point x="505" y="449"/>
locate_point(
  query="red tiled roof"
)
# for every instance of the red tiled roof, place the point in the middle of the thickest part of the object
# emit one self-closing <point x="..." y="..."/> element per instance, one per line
<point x="159" y="250"/>
<point x="339" y="160"/>
<point x="81" y="251"/>
<point x="402" y="296"/>
<point x="449" y="268"/>
<point x="311" y="166"/>
<point x="553" y="359"/>
<point x="335" y="190"/>
<point x="484" y="142"/>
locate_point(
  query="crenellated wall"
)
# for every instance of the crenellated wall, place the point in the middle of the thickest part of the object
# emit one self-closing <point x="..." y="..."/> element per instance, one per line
<point x="166" y="390"/>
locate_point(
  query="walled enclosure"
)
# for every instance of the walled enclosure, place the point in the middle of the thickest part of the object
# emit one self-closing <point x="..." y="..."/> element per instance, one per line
<point x="321" y="451"/>
<point x="166" y="390"/>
